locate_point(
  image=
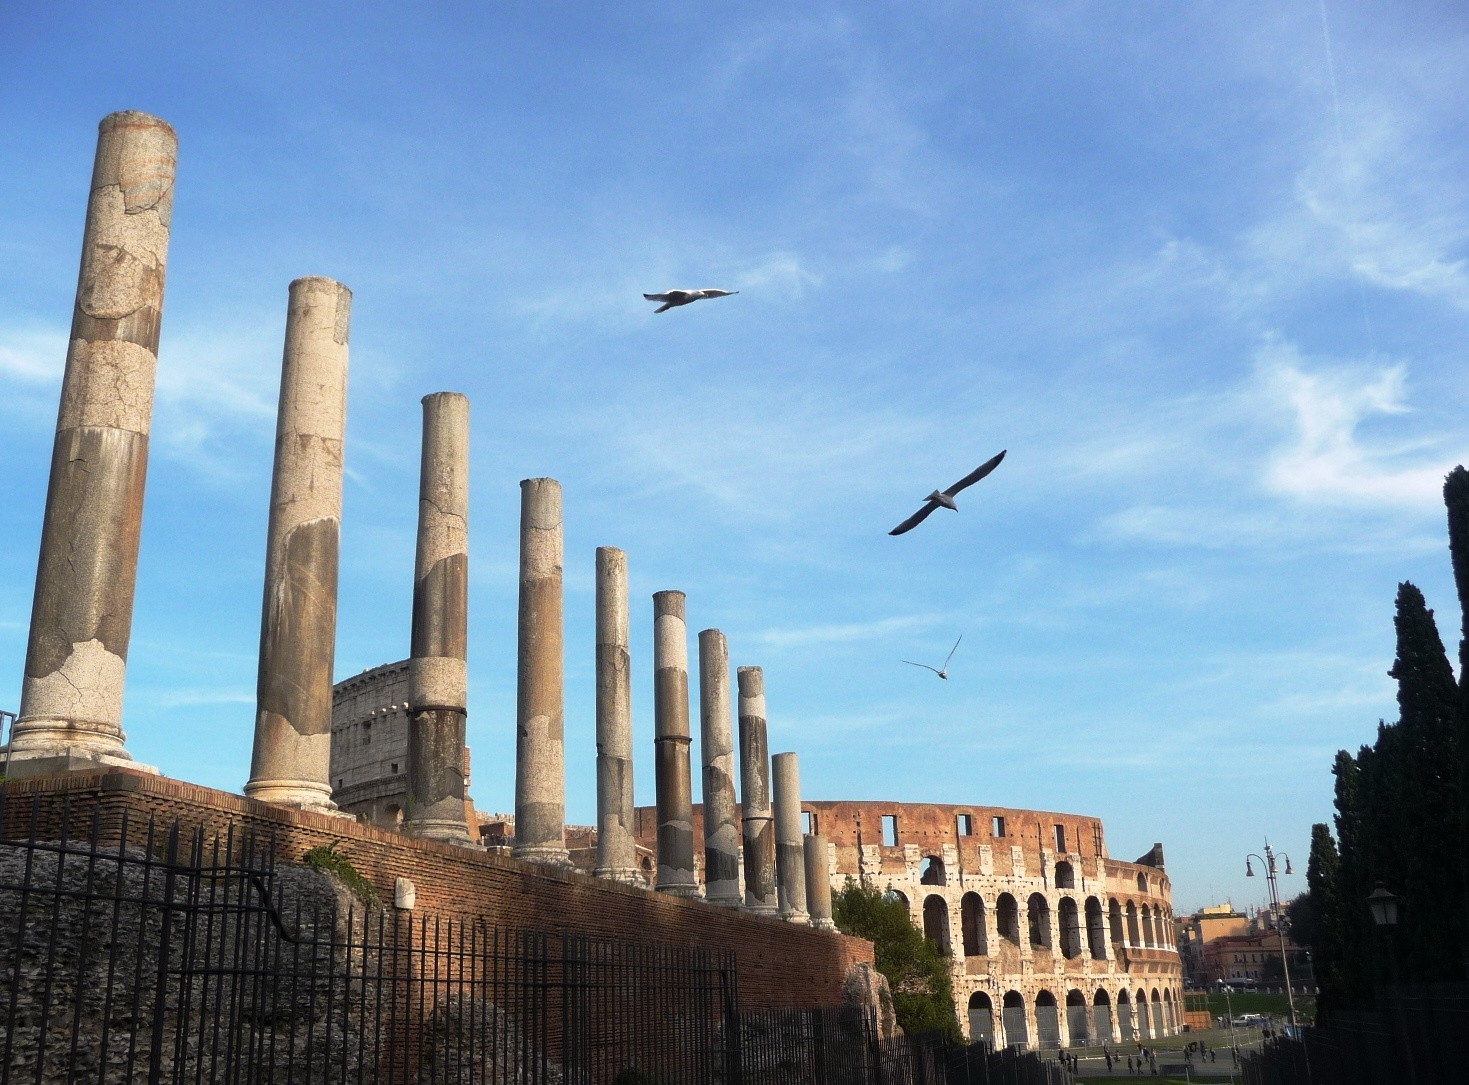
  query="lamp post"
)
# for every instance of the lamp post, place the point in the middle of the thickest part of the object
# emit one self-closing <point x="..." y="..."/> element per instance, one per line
<point x="1269" y="863"/>
<point x="1384" y="908"/>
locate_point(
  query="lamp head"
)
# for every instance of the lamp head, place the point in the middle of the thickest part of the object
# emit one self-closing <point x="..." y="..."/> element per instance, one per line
<point x="1249" y="870"/>
<point x="1288" y="870"/>
<point x="1384" y="906"/>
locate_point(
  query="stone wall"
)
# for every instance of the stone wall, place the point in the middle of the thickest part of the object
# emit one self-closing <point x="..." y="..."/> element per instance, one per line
<point x="779" y="964"/>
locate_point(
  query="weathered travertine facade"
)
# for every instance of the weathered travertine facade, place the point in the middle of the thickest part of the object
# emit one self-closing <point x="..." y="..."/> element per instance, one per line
<point x="815" y="853"/>
<point x="81" y="619"/>
<point x="673" y="777"/>
<point x="540" y="713"/>
<point x="438" y="674"/>
<point x="616" y="849"/>
<point x="716" y="734"/>
<point x="1051" y="942"/>
<point x="291" y="760"/>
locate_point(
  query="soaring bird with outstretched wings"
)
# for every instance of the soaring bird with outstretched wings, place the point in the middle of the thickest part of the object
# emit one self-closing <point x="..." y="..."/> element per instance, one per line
<point x="945" y="498"/>
<point x="944" y="674"/>
<point x="673" y="298"/>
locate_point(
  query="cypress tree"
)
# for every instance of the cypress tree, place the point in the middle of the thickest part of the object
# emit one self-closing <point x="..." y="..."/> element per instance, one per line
<point x="1456" y="500"/>
<point x="1328" y="948"/>
<point x="1355" y="966"/>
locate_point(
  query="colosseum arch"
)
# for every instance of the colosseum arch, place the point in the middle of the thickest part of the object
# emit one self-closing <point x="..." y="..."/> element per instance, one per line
<point x="1047" y="1020"/>
<point x="1142" y="883"/>
<point x="1012" y="1016"/>
<point x="1133" y="938"/>
<point x="1065" y="875"/>
<point x="1070" y="922"/>
<point x="981" y="1019"/>
<point x="1007" y="919"/>
<point x="933" y="871"/>
<point x="1126" y="1026"/>
<point x="892" y="894"/>
<point x="1147" y="927"/>
<point x="971" y="925"/>
<point x="1102" y="1015"/>
<point x="1038" y="912"/>
<point x="1160" y="1027"/>
<point x="1168" y="1018"/>
<point x="1096" y="929"/>
<point x="1114" y="920"/>
<point x="936" y="922"/>
<point x="1077" y="1023"/>
<point x="1144" y="1019"/>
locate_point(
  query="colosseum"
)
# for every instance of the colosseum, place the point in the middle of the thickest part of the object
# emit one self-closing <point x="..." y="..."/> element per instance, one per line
<point x="1051" y="942"/>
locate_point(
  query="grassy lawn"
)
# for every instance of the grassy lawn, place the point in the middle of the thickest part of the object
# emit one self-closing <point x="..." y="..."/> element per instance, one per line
<point x="1249" y="1002"/>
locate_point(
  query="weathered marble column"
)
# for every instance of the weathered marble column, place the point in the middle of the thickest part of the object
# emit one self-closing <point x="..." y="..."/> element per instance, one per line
<point x="818" y="881"/>
<point x="540" y="753"/>
<point x="438" y="674"/>
<point x="716" y="735"/>
<point x="671" y="744"/>
<point x="790" y="858"/>
<point x="759" y="833"/>
<point x="82" y="615"/>
<point x="617" y="856"/>
<point x="291" y="762"/>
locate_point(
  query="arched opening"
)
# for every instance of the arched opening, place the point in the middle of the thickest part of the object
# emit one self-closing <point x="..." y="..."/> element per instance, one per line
<point x="647" y="865"/>
<point x="1114" y="920"/>
<point x="1076" y="1018"/>
<point x="1159" y="1027"/>
<point x="981" y="1019"/>
<point x="1133" y="938"/>
<point x="1096" y="930"/>
<point x="1038" y="912"/>
<point x="1065" y="876"/>
<point x="971" y="920"/>
<point x="936" y="922"/>
<point x="933" y="871"/>
<point x="1142" y="883"/>
<point x="393" y="815"/>
<point x="1070" y="928"/>
<point x="896" y="895"/>
<point x="1144" y="1021"/>
<point x="1007" y="919"/>
<point x="1102" y="1016"/>
<point x="1147" y="927"/>
<point x="1125" y="1024"/>
<point x="1012" y="1016"/>
<point x="1047" y="1020"/>
<point x="1168" y="1019"/>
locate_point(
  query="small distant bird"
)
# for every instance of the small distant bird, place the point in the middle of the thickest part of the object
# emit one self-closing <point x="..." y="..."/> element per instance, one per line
<point x="944" y="674"/>
<point x="946" y="497"/>
<point x="674" y="298"/>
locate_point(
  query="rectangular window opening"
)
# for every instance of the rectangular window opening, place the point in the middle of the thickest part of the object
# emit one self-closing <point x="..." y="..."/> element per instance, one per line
<point x="997" y="827"/>
<point x="890" y="830"/>
<point x="1061" y="839"/>
<point x="367" y="734"/>
<point x="395" y="766"/>
<point x="808" y="822"/>
<point x="966" y="824"/>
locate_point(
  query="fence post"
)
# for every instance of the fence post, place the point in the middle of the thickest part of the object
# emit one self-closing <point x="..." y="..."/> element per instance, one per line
<point x="160" y="996"/>
<point x="733" y="1069"/>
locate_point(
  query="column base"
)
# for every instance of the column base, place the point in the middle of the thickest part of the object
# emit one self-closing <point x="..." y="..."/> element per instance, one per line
<point x="622" y="875"/>
<point x="545" y="855"/>
<point x="824" y="924"/>
<point x="444" y="831"/>
<point x="296" y="795"/>
<point x="801" y="919"/>
<point x="51" y="761"/>
<point x="723" y="901"/>
<point x="762" y="909"/>
<point x="691" y="892"/>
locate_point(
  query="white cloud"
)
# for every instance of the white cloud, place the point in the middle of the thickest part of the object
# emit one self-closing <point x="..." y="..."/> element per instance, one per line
<point x="32" y="354"/>
<point x="841" y="634"/>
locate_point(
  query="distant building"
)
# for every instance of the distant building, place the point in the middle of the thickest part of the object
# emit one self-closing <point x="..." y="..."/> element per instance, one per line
<point x="1193" y="932"/>
<point x="1254" y="956"/>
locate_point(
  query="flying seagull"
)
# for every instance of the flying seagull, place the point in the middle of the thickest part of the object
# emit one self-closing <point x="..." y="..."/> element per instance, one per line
<point x="674" y="298"/>
<point x="946" y="497"/>
<point x="944" y="674"/>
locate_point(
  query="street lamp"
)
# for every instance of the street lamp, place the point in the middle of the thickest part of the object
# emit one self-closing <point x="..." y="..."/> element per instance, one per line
<point x="1384" y="906"/>
<point x="1270" y="872"/>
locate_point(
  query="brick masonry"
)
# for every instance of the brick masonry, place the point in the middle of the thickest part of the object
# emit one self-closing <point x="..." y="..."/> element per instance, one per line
<point x="779" y="964"/>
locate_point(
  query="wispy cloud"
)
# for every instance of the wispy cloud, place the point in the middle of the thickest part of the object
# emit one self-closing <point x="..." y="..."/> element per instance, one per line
<point x="32" y="354"/>
<point x="853" y="632"/>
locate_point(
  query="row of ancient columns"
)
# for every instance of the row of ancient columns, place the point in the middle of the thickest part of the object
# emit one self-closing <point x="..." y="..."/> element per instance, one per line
<point x="72" y="694"/>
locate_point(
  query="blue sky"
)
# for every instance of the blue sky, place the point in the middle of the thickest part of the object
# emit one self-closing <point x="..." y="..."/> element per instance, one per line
<point x="1217" y="314"/>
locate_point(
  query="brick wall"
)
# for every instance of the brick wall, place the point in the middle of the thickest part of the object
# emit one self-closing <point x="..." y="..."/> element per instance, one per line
<point x="779" y="964"/>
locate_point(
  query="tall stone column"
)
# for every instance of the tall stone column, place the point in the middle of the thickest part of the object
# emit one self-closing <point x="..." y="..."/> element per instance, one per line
<point x="672" y="739"/>
<point x="82" y="615"/>
<point x="759" y="833"/>
<point x="438" y="674"/>
<point x="790" y="859"/>
<point x="716" y="734"/>
<point x="616" y="843"/>
<point x="291" y="762"/>
<point x="818" y="881"/>
<point x="540" y="752"/>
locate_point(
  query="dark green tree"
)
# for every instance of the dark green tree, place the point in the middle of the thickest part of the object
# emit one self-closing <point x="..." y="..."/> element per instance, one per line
<point x="1329" y="949"/>
<point x="1456" y="501"/>
<point x="923" y="992"/>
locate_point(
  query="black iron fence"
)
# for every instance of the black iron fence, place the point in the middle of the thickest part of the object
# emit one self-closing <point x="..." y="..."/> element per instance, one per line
<point x="143" y="953"/>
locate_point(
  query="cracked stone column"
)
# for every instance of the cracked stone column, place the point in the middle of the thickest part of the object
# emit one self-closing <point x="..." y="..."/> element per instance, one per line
<point x="438" y="674"/>
<point x="759" y="833"/>
<point x="790" y="858"/>
<point x="671" y="745"/>
<point x="81" y="619"/>
<point x="291" y="763"/>
<point x="716" y="734"/>
<point x="540" y="714"/>
<point x="817" y="856"/>
<point x="616" y="844"/>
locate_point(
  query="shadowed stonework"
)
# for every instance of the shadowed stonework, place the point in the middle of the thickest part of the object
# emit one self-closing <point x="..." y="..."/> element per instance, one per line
<point x="759" y="832"/>
<point x="616" y="848"/>
<point x="671" y="746"/>
<point x="716" y="730"/>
